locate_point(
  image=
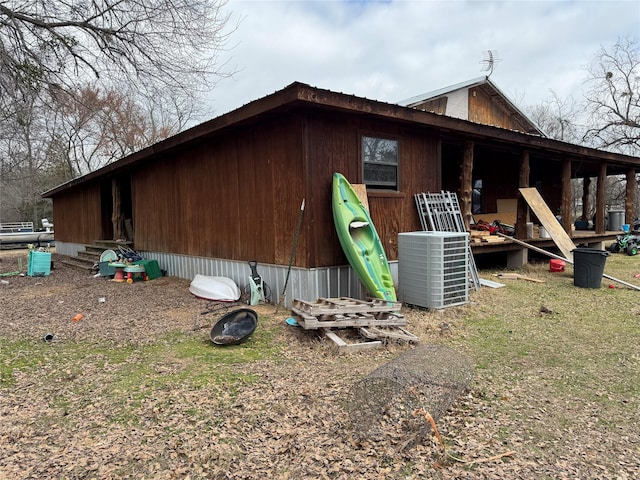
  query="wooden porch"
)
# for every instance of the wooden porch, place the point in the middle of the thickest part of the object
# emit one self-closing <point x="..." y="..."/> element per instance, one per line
<point x="517" y="255"/>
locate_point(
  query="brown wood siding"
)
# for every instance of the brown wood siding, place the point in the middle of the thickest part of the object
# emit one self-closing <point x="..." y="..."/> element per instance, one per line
<point x="484" y="110"/>
<point x="333" y="145"/>
<point x="227" y="197"/>
<point x="77" y="217"/>
<point x="439" y="105"/>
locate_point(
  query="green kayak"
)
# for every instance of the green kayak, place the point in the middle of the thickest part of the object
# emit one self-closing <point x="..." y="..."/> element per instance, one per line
<point x="360" y="241"/>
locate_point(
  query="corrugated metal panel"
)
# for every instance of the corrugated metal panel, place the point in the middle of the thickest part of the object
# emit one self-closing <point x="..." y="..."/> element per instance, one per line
<point x="305" y="284"/>
<point x="69" y="249"/>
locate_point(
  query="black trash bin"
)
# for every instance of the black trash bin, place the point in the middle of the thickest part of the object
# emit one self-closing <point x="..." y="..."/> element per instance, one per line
<point x="588" y="267"/>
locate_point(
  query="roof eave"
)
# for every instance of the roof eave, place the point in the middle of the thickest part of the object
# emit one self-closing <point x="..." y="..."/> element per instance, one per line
<point x="302" y="94"/>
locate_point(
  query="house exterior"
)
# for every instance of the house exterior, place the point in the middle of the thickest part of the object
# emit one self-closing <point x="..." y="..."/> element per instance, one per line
<point x="225" y="192"/>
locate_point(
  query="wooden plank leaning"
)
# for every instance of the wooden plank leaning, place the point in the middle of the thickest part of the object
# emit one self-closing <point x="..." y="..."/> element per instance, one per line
<point x="553" y="255"/>
<point x="548" y="220"/>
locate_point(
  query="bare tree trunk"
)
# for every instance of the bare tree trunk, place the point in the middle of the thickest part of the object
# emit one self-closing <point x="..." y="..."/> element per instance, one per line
<point x="630" y="197"/>
<point x="522" y="215"/>
<point x="466" y="184"/>
<point x="565" y="211"/>
<point x="601" y="198"/>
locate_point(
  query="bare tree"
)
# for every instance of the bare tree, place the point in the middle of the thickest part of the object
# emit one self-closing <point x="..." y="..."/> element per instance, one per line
<point x="52" y="44"/>
<point x="95" y="127"/>
<point x="613" y="98"/>
<point x="85" y="82"/>
<point x="608" y="117"/>
<point x="23" y="156"/>
<point x="557" y="118"/>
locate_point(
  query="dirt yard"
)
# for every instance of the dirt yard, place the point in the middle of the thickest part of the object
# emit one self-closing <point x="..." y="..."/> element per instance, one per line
<point x="135" y="389"/>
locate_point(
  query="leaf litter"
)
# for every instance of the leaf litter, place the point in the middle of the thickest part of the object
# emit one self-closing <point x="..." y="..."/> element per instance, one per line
<point x="68" y="416"/>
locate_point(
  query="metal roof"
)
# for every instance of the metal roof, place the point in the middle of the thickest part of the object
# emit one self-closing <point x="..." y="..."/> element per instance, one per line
<point x="301" y="95"/>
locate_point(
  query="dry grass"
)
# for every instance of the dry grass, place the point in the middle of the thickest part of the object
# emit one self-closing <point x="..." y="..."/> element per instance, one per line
<point x="132" y="391"/>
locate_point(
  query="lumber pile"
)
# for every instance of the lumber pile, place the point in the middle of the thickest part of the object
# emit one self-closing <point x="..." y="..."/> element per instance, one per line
<point x="482" y="236"/>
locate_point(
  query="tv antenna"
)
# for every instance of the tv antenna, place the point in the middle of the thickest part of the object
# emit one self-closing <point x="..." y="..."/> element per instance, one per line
<point x="489" y="60"/>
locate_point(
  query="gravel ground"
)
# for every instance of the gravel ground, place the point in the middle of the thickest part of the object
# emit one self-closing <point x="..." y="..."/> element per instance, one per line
<point x="112" y="311"/>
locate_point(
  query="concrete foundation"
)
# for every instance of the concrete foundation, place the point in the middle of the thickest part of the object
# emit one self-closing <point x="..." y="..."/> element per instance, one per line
<point x="516" y="259"/>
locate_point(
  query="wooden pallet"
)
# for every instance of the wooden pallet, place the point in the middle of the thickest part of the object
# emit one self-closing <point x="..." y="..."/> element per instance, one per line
<point x="347" y="312"/>
<point x="376" y="320"/>
<point x="375" y="337"/>
<point x="344" y="305"/>
<point x="350" y="347"/>
<point x="356" y="320"/>
<point x="389" y="333"/>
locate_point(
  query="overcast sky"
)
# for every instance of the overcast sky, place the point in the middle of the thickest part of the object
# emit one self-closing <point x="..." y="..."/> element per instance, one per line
<point x="393" y="50"/>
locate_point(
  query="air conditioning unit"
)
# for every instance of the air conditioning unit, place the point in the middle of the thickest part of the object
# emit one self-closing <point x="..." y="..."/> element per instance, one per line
<point x="433" y="269"/>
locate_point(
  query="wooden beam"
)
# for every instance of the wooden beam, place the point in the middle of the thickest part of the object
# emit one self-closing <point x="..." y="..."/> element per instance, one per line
<point x="466" y="183"/>
<point x="522" y="215"/>
<point x="567" y="197"/>
<point x="630" y="197"/>
<point x="601" y="198"/>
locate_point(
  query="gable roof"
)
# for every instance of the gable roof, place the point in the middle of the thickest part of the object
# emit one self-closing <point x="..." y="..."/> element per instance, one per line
<point x="488" y="88"/>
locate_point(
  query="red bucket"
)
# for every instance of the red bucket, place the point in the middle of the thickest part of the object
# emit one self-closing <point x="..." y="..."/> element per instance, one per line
<point x="556" y="265"/>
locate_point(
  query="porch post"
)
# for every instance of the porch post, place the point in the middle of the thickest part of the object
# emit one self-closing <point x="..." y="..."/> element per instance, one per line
<point x="518" y="258"/>
<point x="117" y="218"/>
<point x="466" y="183"/>
<point x="522" y="212"/>
<point x="586" y="186"/>
<point x="630" y="197"/>
<point x="601" y="199"/>
<point x="565" y="209"/>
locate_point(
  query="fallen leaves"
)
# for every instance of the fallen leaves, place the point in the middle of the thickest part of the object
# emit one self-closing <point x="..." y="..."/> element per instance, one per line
<point x="73" y="419"/>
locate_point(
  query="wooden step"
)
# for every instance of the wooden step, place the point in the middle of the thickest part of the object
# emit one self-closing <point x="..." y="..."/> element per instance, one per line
<point x="89" y="256"/>
<point x="111" y="244"/>
<point x="85" y="260"/>
<point x="75" y="263"/>
<point x="95" y="249"/>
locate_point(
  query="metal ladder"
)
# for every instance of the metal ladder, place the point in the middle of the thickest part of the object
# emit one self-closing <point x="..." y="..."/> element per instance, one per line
<point x="440" y="212"/>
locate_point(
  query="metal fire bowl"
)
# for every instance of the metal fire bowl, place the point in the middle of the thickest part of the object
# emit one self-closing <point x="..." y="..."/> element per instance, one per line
<point x="235" y="327"/>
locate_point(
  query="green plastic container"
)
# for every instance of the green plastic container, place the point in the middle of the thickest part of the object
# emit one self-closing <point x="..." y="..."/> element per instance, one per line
<point x="106" y="270"/>
<point x="39" y="264"/>
<point x="151" y="268"/>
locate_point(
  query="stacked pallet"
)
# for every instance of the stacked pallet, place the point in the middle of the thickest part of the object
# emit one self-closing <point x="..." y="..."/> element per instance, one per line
<point x="375" y="319"/>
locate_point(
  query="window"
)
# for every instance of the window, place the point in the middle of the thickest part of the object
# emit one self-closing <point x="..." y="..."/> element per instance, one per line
<point x="380" y="163"/>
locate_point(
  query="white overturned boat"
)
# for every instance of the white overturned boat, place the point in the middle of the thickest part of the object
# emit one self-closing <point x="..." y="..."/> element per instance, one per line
<point x="221" y="289"/>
